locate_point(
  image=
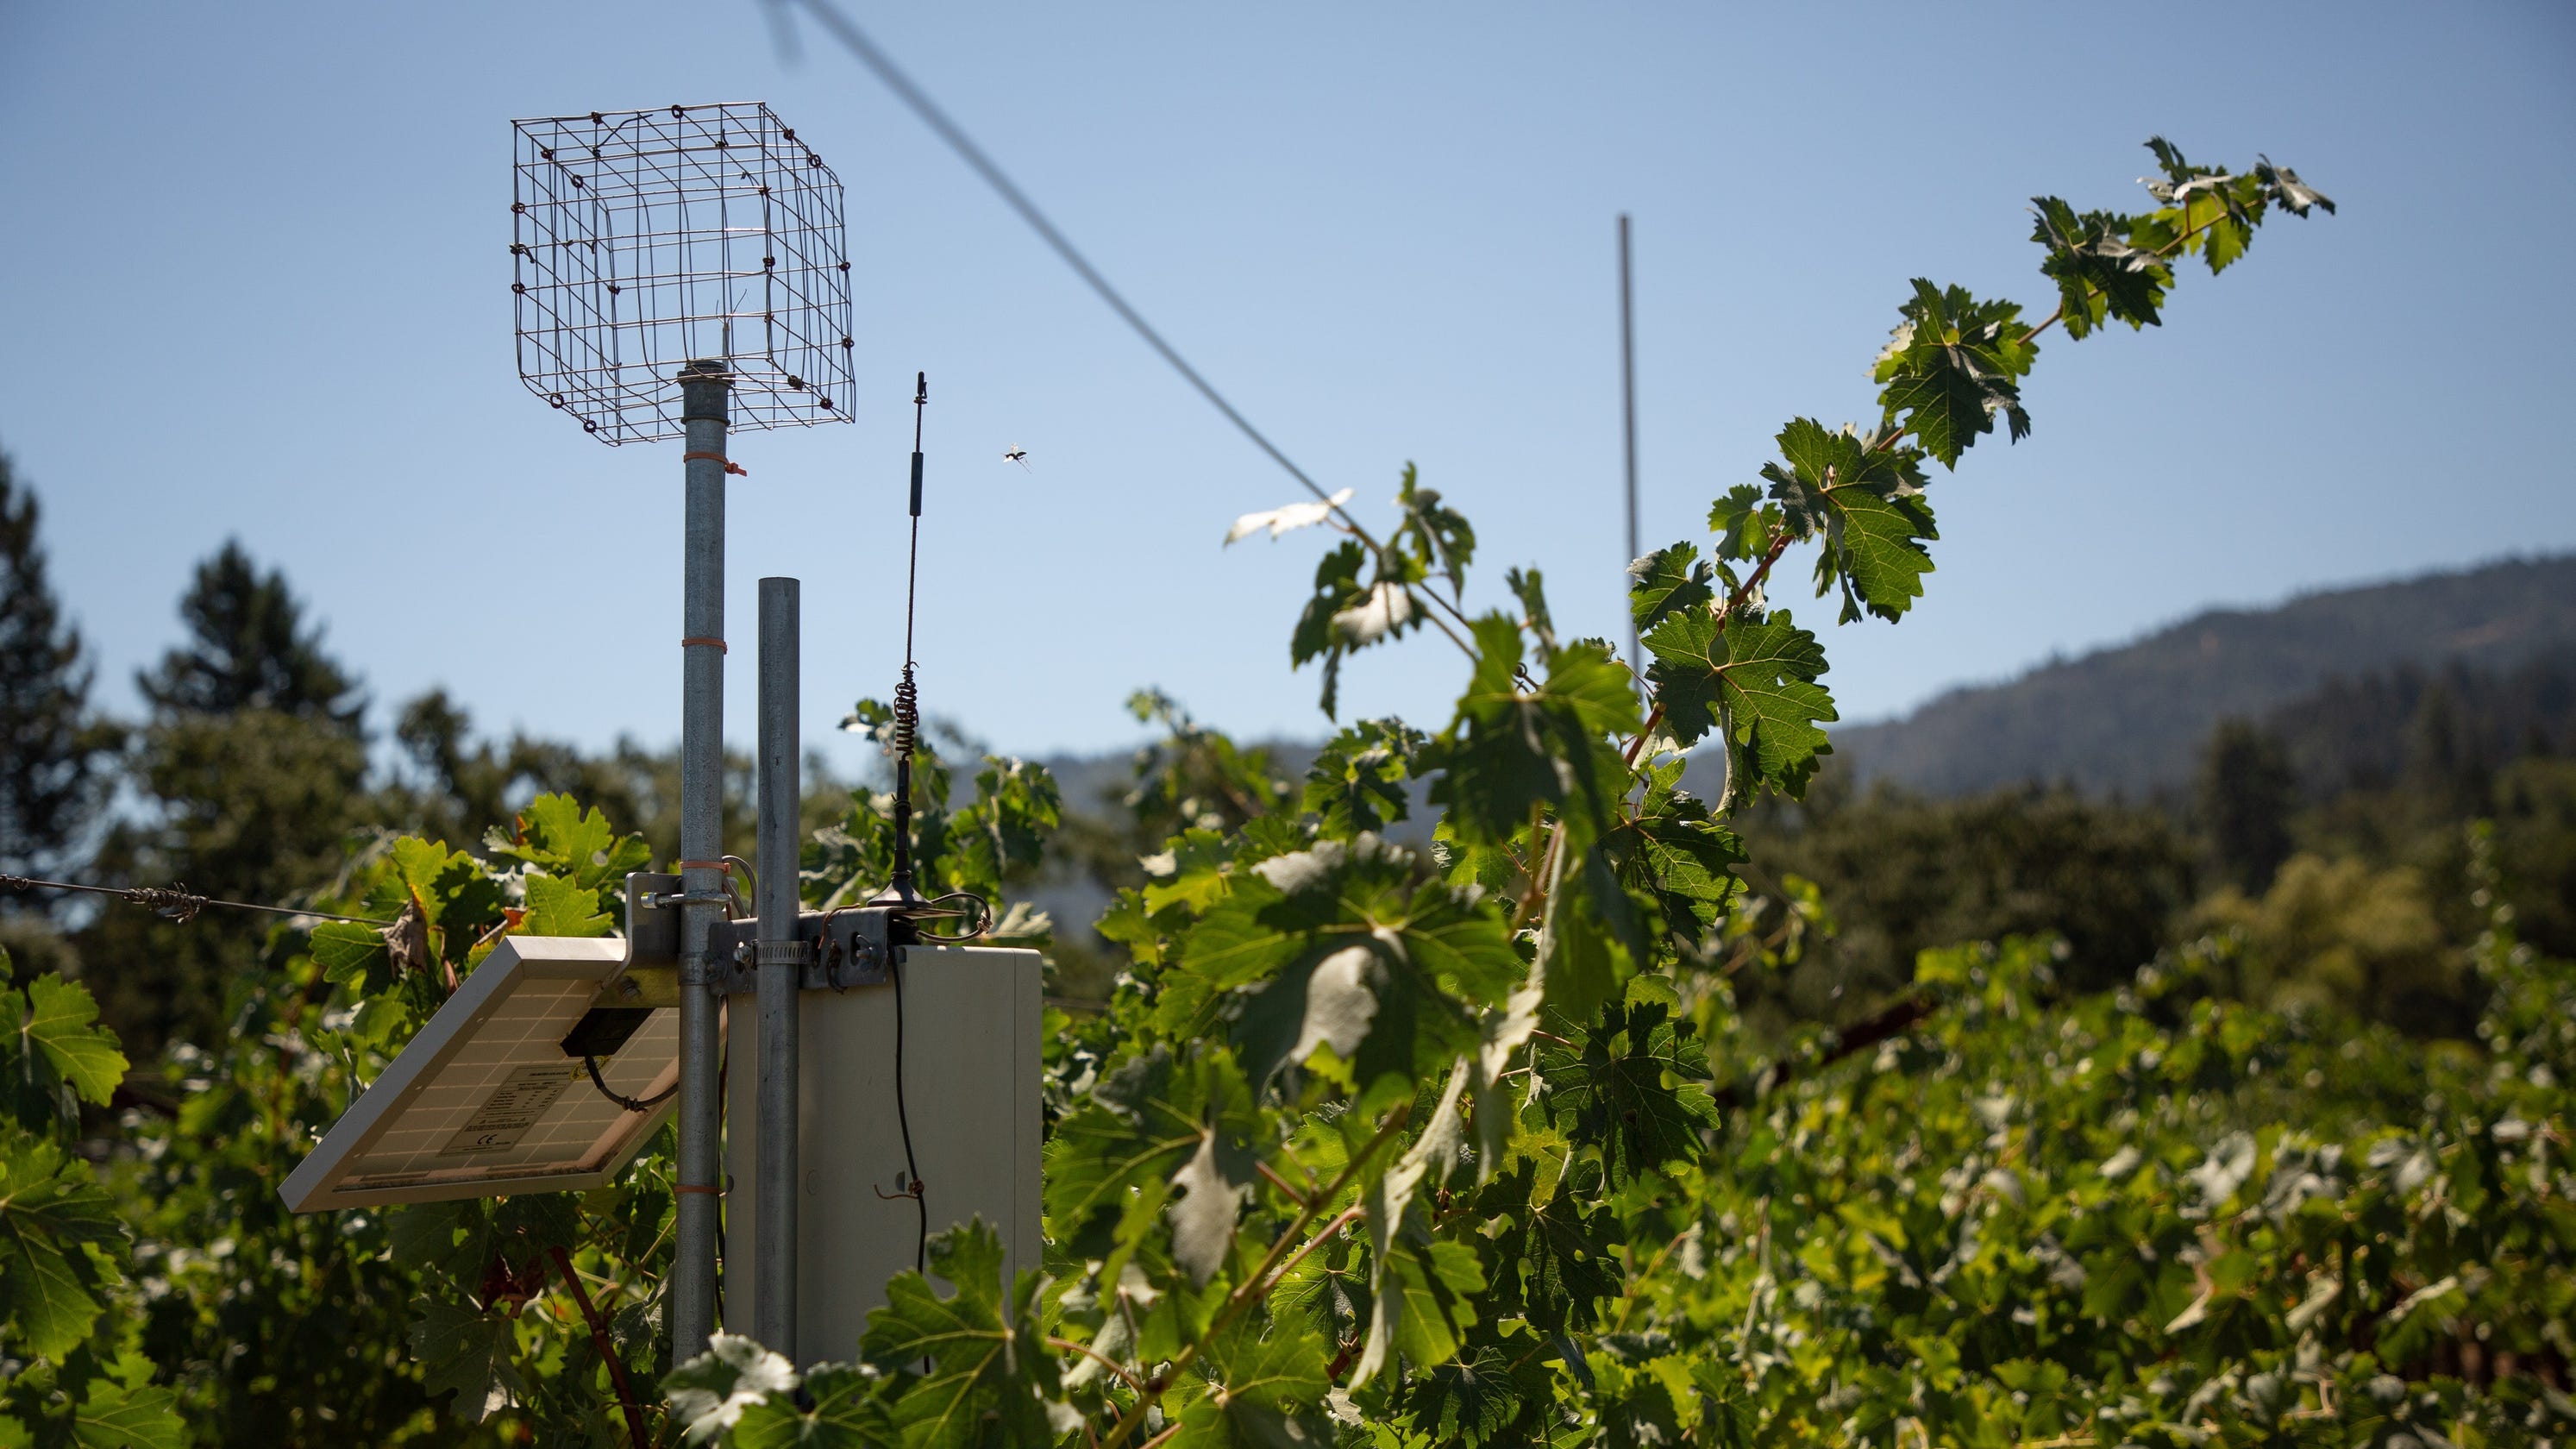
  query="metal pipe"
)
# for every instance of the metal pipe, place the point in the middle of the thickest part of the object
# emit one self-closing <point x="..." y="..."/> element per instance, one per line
<point x="781" y="967"/>
<point x="703" y="388"/>
<point x="1628" y="421"/>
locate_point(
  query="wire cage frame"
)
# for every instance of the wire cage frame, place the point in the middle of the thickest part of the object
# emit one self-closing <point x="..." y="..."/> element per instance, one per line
<point x="643" y="240"/>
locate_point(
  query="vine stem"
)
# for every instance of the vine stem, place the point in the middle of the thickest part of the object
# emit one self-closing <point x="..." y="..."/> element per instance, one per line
<point x="1257" y="1284"/>
<point x="1322" y="1235"/>
<point x="607" y="1352"/>
<point x="1087" y="1351"/>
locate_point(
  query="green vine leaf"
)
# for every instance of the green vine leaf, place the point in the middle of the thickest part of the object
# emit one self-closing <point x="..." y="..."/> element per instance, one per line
<point x="848" y="1412"/>
<point x="1951" y="366"/>
<point x="1677" y="854"/>
<point x="57" y="1053"/>
<point x="991" y="1378"/>
<point x="1753" y="682"/>
<point x="50" y="1207"/>
<point x="716" y="1390"/>
<point x="2099" y="271"/>
<point x="1357" y="783"/>
<point x="1260" y="1391"/>
<point x="1666" y="582"/>
<point x="1513" y="750"/>
<point x="470" y="1351"/>
<point x="128" y="1416"/>
<point x="563" y="908"/>
<point x="1868" y="505"/>
<point x="1437" y="538"/>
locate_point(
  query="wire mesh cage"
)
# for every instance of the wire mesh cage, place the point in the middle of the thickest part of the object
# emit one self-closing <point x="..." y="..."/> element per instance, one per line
<point x="648" y="239"/>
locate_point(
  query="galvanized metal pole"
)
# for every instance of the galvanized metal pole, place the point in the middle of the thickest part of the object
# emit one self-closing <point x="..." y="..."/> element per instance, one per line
<point x="1628" y="418"/>
<point x="703" y="388"/>
<point x="781" y="966"/>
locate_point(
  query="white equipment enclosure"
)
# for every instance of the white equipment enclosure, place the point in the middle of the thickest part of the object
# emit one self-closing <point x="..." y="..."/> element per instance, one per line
<point x="484" y="1101"/>
<point x="971" y="1021"/>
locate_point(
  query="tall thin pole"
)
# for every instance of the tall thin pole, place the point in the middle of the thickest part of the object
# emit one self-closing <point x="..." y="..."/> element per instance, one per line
<point x="703" y="388"/>
<point x="780" y="958"/>
<point x="1628" y="416"/>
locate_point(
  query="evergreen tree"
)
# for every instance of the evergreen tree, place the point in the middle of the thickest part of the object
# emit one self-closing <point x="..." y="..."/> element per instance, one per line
<point x="248" y="650"/>
<point x="2246" y="795"/>
<point x="53" y="750"/>
<point x="254" y="769"/>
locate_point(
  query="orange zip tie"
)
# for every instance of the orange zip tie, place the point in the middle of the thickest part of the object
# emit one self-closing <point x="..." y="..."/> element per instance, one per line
<point x="730" y="465"/>
<point x="723" y="865"/>
<point x="694" y="639"/>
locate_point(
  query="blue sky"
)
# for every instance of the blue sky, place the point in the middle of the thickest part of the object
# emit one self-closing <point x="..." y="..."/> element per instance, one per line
<point x="257" y="285"/>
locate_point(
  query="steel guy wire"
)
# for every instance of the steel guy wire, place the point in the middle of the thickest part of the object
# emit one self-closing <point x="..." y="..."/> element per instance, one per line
<point x="176" y="901"/>
<point x="856" y="41"/>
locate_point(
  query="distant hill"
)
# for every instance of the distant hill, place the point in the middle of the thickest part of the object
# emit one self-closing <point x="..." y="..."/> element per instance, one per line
<point x="2129" y="718"/>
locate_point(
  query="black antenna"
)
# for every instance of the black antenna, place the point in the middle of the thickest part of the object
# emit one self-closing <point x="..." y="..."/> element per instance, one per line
<point x="900" y="892"/>
<point x="901" y="896"/>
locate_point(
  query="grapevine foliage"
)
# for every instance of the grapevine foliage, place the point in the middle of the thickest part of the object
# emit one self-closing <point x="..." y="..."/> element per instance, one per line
<point x="1468" y="1144"/>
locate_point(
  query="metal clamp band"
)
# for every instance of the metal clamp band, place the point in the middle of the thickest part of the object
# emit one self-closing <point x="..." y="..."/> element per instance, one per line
<point x="730" y="465"/>
<point x="781" y="953"/>
<point x="694" y="640"/>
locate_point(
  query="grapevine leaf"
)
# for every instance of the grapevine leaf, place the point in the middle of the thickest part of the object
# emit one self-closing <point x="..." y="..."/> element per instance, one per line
<point x="1432" y="957"/>
<point x="1357" y="783"/>
<point x="1868" y="505"/>
<point x="714" y="1391"/>
<point x="1743" y="523"/>
<point x="1552" y="1262"/>
<point x="1437" y="537"/>
<point x="1754" y="682"/>
<point x="1203" y="1218"/>
<point x="1512" y="750"/>
<point x="2293" y="195"/>
<point x="1330" y="1003"/>
<point x="1264" y="1391"/>
<point x="1635" y="1089"/>
<point x="848" y="1413"/>
<point x="1473" y="1399"/>
<point x="60" y="1026"/>
<point x="472" y="1351"/>
<point x="991" y="1377"/>
<point x="1418" y="1288"/>
<point x="434" y="876"/>
<point x="352" y="955"/>
<point x="1190" y="871"/>
<point x="126" y="1416"/>
<point x="1113" y="1161"/>
<point x="1678" y="854"/>
<point x="563" y="908"/>
<point x="2207" y="210"/>
<point x="2101" y="271"/>
<point x="1337" y="591"/>
<point x="50" y="1205"/>
<point x="1288" y="517"/>
<point x="557" y="834"/>
<point x="1664" y="582"/>
<point x="1530" y="588"/>
<point x="1951" y="365"/>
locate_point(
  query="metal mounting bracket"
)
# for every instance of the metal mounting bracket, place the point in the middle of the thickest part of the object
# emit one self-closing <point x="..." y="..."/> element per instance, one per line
<point x="837" y="949"/>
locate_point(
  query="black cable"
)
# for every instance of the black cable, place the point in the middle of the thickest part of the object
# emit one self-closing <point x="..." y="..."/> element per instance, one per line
<point x="856" y="41"/>
<point x="631" y="1104"/>
<point x="903" y="1120"/>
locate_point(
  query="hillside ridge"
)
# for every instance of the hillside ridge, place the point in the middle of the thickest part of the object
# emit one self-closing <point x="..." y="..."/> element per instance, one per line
<point x="2127" y="718"/>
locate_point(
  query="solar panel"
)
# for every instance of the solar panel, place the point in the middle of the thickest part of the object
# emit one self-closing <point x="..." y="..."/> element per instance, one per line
<point x="485" y="1101"/>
